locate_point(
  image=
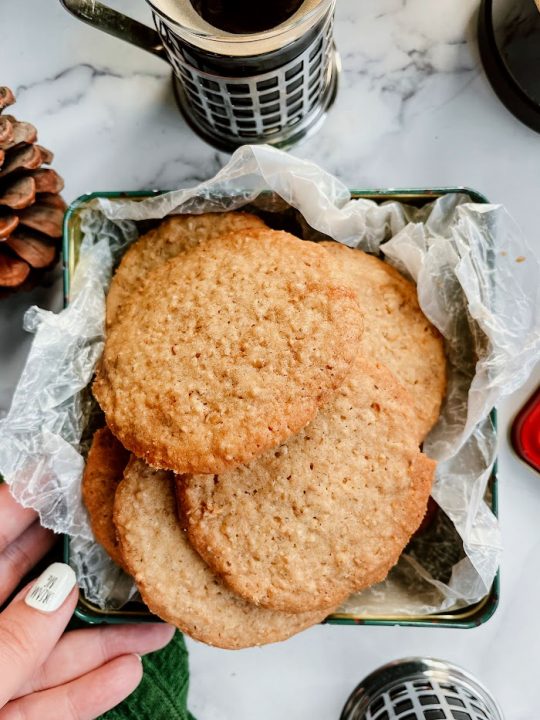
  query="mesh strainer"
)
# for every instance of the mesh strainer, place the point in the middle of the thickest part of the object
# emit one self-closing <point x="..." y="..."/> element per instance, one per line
<point x="420" y="689"/>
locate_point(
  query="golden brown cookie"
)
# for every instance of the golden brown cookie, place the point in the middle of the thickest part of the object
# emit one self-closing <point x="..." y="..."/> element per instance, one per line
<point x="227" y="351"/>
<point x="173" y="236"/>
<point x="396" y="331"/>
<point x="104" y="469"/>
<point x="324" y="515"/>
<point x="175" y="582"/>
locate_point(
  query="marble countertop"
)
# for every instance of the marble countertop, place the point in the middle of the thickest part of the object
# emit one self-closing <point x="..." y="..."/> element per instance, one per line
<point x="414" y="109"/>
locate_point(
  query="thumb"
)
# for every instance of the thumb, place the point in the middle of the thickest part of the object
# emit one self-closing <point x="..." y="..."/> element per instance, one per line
<point x="32" y="624"/>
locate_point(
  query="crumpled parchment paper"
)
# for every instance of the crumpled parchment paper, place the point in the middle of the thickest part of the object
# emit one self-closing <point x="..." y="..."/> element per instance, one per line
<point x="477" y="281"/>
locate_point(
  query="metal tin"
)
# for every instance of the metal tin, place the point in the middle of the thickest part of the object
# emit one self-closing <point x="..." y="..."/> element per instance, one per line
<point x="420" y="689"/>
<point x="468" y="617"/>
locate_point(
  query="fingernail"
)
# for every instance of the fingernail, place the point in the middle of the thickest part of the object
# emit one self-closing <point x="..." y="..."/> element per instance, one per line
<point x="51" y="588"/>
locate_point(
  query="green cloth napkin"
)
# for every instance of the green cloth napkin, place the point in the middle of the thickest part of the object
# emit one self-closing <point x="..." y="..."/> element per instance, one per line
<point x="162" y="694"/>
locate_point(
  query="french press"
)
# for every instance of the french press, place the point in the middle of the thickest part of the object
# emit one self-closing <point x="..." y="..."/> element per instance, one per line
<point x="241" y="74"/>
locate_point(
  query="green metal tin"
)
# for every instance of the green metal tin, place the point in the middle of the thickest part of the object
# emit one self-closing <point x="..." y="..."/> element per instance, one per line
<point x="468" y="617"/>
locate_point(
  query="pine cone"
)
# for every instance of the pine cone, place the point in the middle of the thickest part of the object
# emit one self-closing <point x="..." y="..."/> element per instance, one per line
<point x="31" y="210"/>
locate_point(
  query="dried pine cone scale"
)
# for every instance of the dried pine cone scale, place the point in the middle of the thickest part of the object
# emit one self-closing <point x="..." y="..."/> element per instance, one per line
<point x="18" y="193"/>
<point x="27" y="157"/>
<point x="8" y="223"/>
<point x="31" y="209"/>
<point x="21" y="132"/>
<point x="37" y="251"/>
<point x="6" y="98"/>
<point x="44" y="218"/>
<point x="6" y="130"/>
<point x="13" y="271"/>
<point x="47" y="181"/>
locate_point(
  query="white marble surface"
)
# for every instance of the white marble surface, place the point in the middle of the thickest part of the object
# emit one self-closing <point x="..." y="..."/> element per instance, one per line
<point x="414" y="109"/>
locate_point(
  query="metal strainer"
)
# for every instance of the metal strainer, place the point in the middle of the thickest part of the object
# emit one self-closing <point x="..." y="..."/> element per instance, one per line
<point x="420" y="689"/>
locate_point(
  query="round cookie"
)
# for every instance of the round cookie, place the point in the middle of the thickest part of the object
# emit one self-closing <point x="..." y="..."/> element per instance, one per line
<point x="396" y="332"/>
<point x="103" y="471"/>
<point x="175" y="582"/>
<point x="173" y="236"/>
<point x="227" y="351"/>
<point x="324" y="515"/>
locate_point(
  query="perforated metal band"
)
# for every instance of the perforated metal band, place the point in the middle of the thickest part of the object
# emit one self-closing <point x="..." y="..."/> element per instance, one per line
<point x="269" y="107"/>
<point x="420" y="689"/>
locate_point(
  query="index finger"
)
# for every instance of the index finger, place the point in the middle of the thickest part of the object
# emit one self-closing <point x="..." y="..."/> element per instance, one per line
<point x="32" y="624"/>
<point x="14" y="519"/>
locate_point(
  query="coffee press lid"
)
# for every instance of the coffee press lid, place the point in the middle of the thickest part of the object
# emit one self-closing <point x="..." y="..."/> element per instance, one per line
<point x="186" y="22"/>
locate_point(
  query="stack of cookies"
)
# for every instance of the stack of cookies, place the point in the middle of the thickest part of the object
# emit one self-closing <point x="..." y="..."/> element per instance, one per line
<point x="265" y="399"/>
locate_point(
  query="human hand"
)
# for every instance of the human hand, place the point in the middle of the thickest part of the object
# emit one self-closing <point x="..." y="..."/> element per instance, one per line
<point x="45" y="675"/>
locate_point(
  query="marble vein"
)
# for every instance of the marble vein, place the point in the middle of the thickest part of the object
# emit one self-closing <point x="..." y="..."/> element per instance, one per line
<point x="65" y="80"/>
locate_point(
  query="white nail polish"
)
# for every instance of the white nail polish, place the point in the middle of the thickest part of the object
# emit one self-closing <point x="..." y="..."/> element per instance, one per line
<point x="51" y="588"/>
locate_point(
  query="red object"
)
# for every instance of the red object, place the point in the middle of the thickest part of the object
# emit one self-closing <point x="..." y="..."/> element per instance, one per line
<point x="526" y="432"/>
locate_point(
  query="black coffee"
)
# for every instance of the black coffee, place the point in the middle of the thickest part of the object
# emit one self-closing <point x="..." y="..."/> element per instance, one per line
<point x="245" y="16"/>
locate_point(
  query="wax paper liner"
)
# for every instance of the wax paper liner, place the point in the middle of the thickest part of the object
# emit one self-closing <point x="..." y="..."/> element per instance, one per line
<point x="478" y="283"/>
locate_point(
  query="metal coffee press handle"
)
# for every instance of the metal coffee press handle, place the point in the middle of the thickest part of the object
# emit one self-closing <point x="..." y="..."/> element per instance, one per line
<point x="116" y="24"/>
